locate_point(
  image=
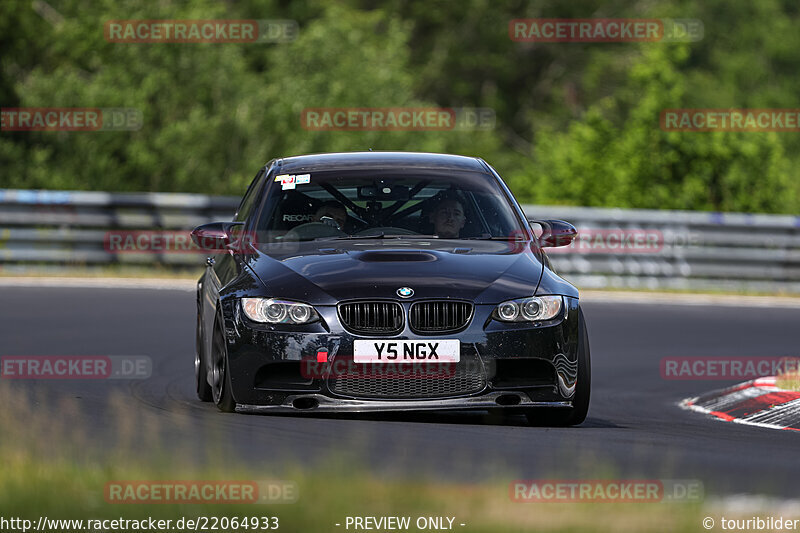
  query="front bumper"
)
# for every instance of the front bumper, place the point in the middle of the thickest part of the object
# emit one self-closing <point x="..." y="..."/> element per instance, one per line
<point x="523" y="365"/>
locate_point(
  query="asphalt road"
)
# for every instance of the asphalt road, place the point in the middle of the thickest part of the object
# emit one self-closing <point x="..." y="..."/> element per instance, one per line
<point x="635" y="428"/>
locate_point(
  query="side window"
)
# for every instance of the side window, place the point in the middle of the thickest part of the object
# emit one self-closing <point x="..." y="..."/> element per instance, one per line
<point x="250" y="197"/>
<point x="489" y="214"/>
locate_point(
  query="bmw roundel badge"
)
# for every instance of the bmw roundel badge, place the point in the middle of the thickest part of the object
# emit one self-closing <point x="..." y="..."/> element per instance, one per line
<point x="405" y="292"/>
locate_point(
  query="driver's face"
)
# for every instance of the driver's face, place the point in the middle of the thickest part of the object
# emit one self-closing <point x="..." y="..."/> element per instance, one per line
<point x="339" y="215"/>
<point x="448" y="219"/>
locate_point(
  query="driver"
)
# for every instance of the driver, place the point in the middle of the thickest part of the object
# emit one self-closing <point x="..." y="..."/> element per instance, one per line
<point x="334" y="210"/>
<point x="448" y="218"/>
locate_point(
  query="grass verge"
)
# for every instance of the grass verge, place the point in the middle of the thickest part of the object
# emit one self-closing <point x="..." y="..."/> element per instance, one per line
<point x="789" y="381"/>
<point x="61" y="488"/>
<point x="54" y="466"/>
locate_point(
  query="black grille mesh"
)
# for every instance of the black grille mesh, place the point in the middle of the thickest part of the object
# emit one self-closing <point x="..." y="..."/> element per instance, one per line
<point x="372" y="318"/>
<point x="454" y="379"/>
<point x="440" y="316"/>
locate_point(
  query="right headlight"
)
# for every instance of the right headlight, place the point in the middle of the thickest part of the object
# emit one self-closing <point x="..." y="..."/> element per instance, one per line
<point x="531" y="309"/>
<point x="274" y="311"/>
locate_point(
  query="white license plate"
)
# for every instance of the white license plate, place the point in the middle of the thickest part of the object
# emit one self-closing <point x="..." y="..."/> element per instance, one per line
<point x="377" y="351"/>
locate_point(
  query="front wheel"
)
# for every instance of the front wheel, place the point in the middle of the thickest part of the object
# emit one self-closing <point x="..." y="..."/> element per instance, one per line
<point x="220" y="372"/>
<point x="200" y="372"/>
<point x="580" y="402"/>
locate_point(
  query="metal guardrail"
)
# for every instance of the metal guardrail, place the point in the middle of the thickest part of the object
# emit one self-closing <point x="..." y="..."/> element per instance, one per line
<point x="696" y="250"/>
<point x="69" y="227"/>
<point x="699" y="250"/>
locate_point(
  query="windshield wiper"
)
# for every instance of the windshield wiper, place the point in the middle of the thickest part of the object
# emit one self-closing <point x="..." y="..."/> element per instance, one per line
<point x="487" y="237"/>
<point x="380" y="235"/>
<point x="353" y="237"/>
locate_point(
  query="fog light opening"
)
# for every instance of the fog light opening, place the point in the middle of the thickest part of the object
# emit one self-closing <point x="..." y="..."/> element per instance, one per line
<point x="305" y="403"/>
<point x="508" y="399"/>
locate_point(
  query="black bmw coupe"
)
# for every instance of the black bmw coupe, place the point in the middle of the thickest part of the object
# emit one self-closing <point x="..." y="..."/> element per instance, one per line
<point x="388" y="281"/>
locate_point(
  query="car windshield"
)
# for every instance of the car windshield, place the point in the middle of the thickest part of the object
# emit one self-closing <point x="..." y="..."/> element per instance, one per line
<point x="382" y="204"/>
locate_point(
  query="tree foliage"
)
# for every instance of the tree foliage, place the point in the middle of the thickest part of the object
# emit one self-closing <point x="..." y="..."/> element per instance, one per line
<point x="577" y="123"/>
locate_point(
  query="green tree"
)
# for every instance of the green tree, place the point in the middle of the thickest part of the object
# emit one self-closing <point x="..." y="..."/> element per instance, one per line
<point x="624" y="158"/>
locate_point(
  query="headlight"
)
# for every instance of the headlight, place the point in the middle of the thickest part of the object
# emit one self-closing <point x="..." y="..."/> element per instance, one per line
<point x="278" y="311"/>
<point x="529" y="309"/>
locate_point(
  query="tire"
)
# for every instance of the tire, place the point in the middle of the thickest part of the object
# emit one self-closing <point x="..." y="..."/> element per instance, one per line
<point x="200" y="372"/>
<point x="220" y="373"/>
<point x="580" y="403"/>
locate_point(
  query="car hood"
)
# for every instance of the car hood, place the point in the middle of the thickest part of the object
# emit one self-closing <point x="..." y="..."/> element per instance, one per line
<point x="326" y="272"/>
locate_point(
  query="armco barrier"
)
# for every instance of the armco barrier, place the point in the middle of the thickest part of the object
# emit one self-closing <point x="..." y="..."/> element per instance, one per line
<point x="68" y="227"/>
<point x="698" y="250"/>
<point x="701" y="250"/>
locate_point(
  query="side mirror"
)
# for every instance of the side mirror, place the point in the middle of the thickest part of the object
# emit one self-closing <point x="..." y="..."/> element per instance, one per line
<point x="556" y="233"/>
<point x="215" y="236"/>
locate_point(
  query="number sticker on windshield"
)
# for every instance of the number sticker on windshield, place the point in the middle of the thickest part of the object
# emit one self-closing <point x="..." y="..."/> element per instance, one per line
<point x="290" y="181"/>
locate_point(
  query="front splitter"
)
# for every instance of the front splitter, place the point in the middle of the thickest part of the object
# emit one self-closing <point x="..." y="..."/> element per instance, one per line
<point x="328" y="404"/>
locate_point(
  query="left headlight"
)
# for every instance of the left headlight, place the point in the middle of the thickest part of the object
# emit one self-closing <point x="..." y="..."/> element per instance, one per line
<point x="529" y="309"/>
<point x="278" y="311"/>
